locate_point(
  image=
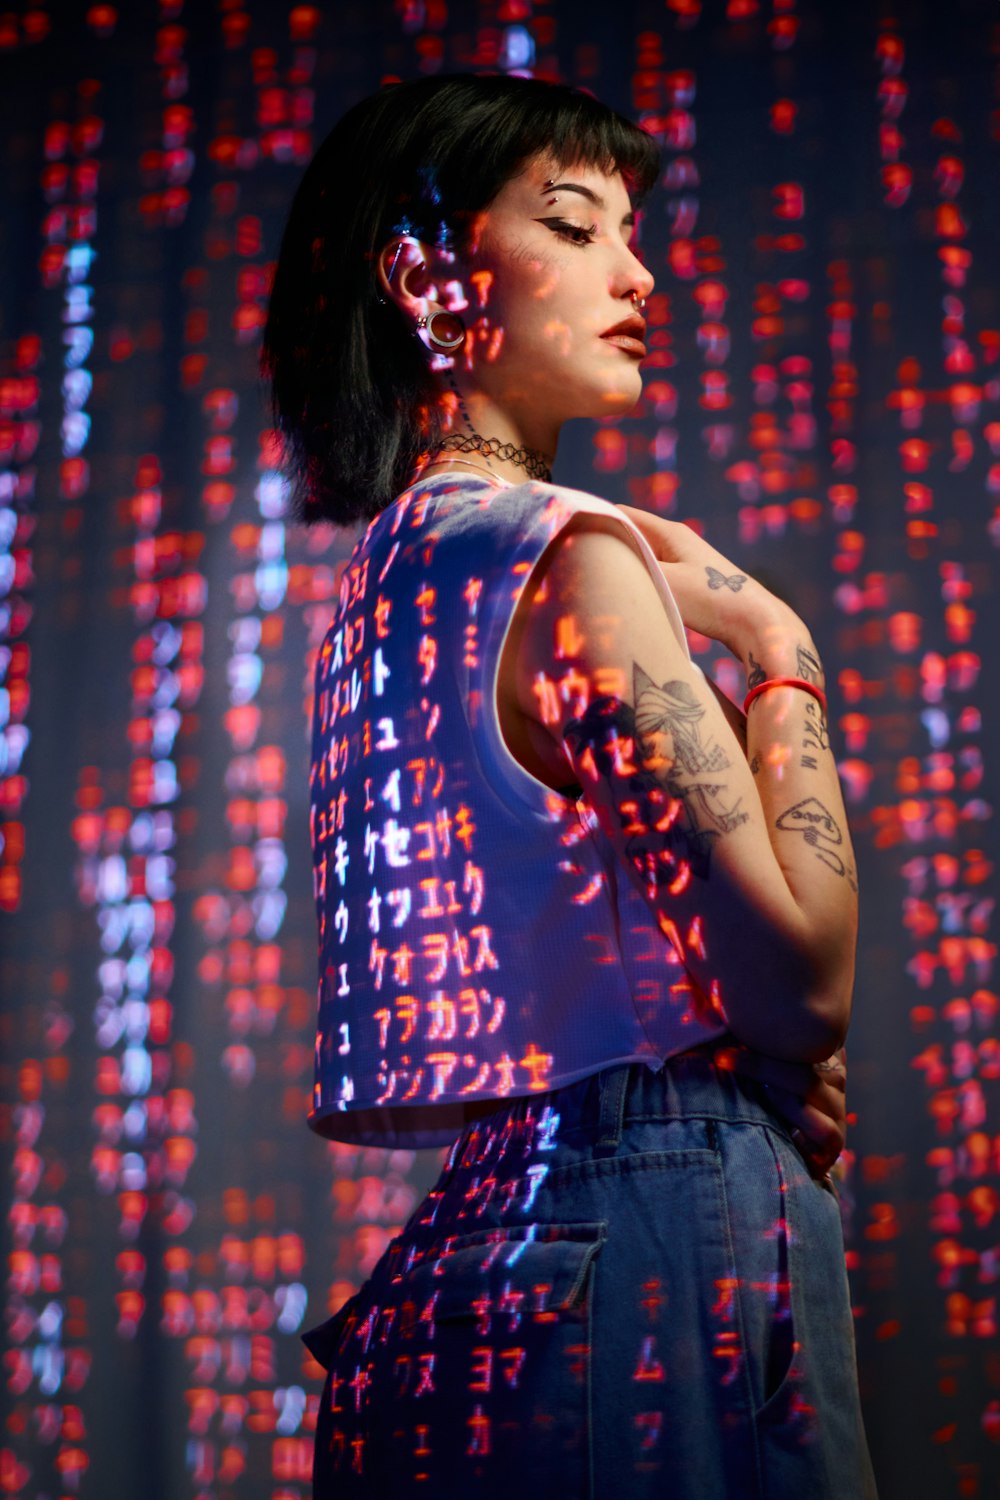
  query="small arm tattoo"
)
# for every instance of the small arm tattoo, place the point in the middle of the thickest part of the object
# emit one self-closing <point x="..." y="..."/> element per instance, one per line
<point x="821" y="832"/>
<point x="808" y="666"/>
<point x="755" y="672"/>
<point x="717" y="580"/>
<point x="816" y="737"/>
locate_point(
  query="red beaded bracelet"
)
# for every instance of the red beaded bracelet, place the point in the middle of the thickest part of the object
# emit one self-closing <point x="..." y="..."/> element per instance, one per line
<point x="799" y="682"/>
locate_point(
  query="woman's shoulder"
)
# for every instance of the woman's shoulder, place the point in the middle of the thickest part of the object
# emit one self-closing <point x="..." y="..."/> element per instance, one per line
<point x="466" y="510"/>
<point x="559" y="505"/>
<point x="537" y="503"/>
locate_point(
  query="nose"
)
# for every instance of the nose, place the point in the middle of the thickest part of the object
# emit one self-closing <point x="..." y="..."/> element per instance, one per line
<point x="632" y="276"/>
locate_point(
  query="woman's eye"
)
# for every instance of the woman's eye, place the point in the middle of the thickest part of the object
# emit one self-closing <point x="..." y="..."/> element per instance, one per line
<point x="575" y="233"/>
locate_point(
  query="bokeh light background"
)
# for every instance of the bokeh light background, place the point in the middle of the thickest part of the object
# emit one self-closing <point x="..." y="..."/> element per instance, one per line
<point x="823" y="395"/>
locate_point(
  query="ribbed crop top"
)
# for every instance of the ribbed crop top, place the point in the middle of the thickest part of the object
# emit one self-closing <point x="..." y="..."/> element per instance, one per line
<point x="478" y="937"/>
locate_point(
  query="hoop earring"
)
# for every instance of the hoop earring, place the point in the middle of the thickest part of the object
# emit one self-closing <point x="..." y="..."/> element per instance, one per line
<point x="452" y="337"/>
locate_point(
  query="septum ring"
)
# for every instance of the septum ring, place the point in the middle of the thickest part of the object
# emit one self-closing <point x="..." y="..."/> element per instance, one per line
<point x="639" y="303"/>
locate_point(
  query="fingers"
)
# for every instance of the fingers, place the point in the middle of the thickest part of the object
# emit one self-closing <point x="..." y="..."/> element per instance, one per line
<point x="809" y="1097"/>
<point x="819" y="1136"/>
<point x="825" y="1136"/>
<point x="820" y="1164"/>
<point x="829" y="1104"/>
<point x="833" y="1068"/>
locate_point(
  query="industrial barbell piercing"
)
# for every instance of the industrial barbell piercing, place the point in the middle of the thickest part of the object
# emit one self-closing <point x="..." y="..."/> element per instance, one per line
<point x="389" y="273"/>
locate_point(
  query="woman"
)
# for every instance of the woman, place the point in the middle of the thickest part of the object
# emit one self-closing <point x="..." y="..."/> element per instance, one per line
<point x="573" y="907"/>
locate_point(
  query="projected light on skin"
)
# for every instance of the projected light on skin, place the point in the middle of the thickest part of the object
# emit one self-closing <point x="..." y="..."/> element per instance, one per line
<point x="558" y="246"/>
<point x="663" y="773"/>
<point x="902" y="566"/>
<point x="668" y="795"/>
<point x="509" y="277"/>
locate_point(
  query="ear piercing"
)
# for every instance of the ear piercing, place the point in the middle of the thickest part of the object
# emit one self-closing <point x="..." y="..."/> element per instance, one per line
<point x="449" y="334"/>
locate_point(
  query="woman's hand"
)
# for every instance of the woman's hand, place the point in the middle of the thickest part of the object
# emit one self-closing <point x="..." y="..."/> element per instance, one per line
<point x="714" y="596"/>
<point x="810" y="1096"/>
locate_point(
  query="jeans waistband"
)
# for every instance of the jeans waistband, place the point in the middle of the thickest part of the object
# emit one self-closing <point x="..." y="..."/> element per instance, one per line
<point x="689" y="1085"/>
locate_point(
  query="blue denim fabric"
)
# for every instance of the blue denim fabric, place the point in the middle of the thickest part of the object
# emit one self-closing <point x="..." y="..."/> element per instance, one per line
<point x="630" y="1287"/>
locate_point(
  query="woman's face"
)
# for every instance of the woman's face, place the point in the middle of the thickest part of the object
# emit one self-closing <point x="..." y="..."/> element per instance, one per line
<point x="548" y="274"/>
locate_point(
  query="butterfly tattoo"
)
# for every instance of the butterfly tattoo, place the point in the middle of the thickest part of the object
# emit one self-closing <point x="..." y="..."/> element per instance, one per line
<point x="717" y="580"/>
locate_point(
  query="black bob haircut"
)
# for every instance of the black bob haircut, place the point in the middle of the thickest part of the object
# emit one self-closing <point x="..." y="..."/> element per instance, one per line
<point x="351" y="392"/>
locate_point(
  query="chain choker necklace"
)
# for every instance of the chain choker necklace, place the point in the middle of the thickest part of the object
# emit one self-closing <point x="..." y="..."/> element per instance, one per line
<point x="529" y="459"/>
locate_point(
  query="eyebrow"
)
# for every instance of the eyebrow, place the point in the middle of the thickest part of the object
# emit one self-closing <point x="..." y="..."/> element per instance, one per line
<point x="595" y="198"/>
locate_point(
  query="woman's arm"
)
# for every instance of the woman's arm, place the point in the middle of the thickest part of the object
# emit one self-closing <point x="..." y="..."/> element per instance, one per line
<point x="810" y="1097"/>
<point x="791" y="749"/>
<point x="747" y="867"/>
<point x="734" y="716"/>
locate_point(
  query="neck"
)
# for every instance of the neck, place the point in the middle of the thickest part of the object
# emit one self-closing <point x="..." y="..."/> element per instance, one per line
<point x="447" y="463"/>
<point x="491" y="451"/>
<point x="494" y="438"/>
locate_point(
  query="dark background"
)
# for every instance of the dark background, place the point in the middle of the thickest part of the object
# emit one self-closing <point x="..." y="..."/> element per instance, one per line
<point x="824" y="398"/>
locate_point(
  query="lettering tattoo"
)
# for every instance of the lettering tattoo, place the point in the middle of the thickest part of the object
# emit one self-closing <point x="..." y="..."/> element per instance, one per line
<point x="755" y="672"/>
<point x="717" y="580"/>
<point x="669" y="785"/>
<point x="808" y="666"/>
<point x="821" y="832"/>
<point x="816" y="735"/>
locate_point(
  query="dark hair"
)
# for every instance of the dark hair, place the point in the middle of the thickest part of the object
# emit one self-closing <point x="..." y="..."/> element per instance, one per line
<point x="351" y="391"/>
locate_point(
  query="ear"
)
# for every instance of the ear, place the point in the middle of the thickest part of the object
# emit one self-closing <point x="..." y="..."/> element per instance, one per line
<point x="403" y="275"/>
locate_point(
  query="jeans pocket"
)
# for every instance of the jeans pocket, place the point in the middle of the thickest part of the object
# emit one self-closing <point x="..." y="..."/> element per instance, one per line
<point x="473" y="1370"/>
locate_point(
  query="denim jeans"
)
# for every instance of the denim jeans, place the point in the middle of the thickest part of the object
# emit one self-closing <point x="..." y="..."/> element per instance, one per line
<point x="628" y="1287"/>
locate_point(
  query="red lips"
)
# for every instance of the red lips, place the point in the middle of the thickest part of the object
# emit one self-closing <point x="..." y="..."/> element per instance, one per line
<point x="634" y="327"/>
<point x="629" y="335"/>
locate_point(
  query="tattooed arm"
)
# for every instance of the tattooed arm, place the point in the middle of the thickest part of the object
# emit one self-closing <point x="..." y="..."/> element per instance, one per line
<point x="734" y="716"/>
<point x="748" y="872"/>
<point x="795" y="737"/>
